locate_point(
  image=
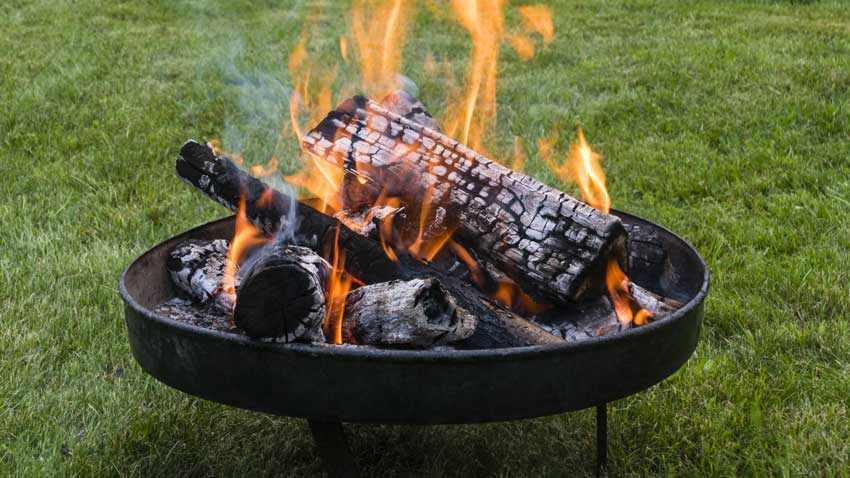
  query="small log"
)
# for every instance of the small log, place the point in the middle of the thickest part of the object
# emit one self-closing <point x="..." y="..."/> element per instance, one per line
<point x="554" y="246"/>
<point x="197" y="268"/>
<point x="596" y="317"/>
<point x="281" y="295"/>
<point x="648" y="261"/>
<point x="269" y="209"/>
<point x="659" y="305"/>
<point x="418" y="313"/>
<point x="588" y="319"/>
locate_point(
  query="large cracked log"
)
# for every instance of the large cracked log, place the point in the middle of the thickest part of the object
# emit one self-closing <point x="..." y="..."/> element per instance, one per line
<point x="271" y="211"/>
<point x="554" y="246"/>
<point x="417" y="313"/>
<point x="282" y="294"/>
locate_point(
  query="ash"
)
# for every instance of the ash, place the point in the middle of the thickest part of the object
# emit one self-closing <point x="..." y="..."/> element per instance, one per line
<point x="189" y="312"/>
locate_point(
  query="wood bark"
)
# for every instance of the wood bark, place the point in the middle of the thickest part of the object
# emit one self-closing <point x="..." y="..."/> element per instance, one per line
<point x="417" y="313"/>
<point x="276" y="213"/>
<point x="282" y="294"/>
<point x="197" y="268"/>
<point x="554" y="246"/>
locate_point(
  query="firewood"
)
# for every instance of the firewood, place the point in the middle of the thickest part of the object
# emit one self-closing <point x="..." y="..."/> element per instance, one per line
<point x="648" y="259"/>
<point x="272" y="211"/>
<point x="588" y="319"/>
<point x="659" y="305"/>
<point x="596" y="317"/>
<point x="282" y="294"/>
<point x="554" y="246"/>
<point x="197" y="268"/>
<point x="418" y="313"/>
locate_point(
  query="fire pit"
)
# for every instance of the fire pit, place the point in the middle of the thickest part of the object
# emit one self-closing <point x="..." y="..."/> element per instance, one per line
<point x="329" y="384"/>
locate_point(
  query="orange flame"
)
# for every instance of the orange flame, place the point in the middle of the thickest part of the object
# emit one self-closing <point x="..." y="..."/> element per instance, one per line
<point x="584" y="163"/>
<point x="538" y="18"/>
<point x="618" y="287"/>
<point x="337" y="288"/>
<point x="523" y="46"/>
<point x="343" y="48"/>
<point x="484" y="20"/>
<point x="583" y="168"/>
<point x="266" y="169"/>
<point x="245" y="237"/>
<point x="378" y="28"/>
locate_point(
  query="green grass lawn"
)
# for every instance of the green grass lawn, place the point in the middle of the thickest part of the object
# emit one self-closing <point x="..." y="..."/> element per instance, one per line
<point x="728" y="122"/>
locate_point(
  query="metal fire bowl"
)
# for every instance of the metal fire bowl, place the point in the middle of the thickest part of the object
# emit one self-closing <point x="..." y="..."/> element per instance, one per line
<point x="365" y="385"/>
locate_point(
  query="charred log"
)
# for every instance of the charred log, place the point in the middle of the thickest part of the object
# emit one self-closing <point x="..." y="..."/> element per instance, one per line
<point x="551" y="244"/>
<point x="197" y="268"/>
<point x="269" y="209"/>
<point x="588" y="319"/>
<point x="648" y="260"/>
<point x="597" y="317"/>
<point x="418" y="313"/>
<point x="658" y="305"/>
<point x="282" y="294"/>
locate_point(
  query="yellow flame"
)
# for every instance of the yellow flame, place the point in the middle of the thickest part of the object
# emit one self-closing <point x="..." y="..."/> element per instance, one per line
<point x="337" y="288"/>
<point x="583" y="168"/>
<point x="343" y="48"/>
<point x="245" y="237"/>
<point x="484" y="20"/>
<point x="378" y="29"/>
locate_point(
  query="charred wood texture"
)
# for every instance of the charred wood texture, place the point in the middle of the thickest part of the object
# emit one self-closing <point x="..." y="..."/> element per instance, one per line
<point x="648" y="260"/>
<point x="281" y="295"/>
<point x="417" y="313"/>
<point x="269" y="209"/>
<point x="197" y="268"/>
<point x="596" y="317"/>
<point x="554" y="246"/>
<point x="588" y="319"/>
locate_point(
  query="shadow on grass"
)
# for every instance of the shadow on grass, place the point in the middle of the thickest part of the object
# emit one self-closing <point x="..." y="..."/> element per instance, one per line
<point x="211" y="440"/>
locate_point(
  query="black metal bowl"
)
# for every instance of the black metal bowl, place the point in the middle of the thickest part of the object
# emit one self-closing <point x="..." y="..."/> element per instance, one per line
<point x="351" y="384"/>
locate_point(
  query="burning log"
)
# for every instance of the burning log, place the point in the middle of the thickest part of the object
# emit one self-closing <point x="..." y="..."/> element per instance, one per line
<point x="417" y="313"/>
<point x="269" y="210"/>
<point x="282" y="294"/>
<point x="597" y="317"/>
<point x="554" y="246"/>
<point x="658" y="305"/>
<point x="197" y="268"/>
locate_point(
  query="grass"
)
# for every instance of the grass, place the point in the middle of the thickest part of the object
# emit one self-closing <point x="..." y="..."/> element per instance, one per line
<point x="729" y="122"/>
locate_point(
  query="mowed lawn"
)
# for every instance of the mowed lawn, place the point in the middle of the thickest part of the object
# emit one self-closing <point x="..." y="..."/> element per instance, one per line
<point x="728" y="122"/>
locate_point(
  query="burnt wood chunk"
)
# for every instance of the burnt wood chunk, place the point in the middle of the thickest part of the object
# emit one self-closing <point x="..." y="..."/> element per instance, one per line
<point x="588" y="319"/>
<point x="197" y="268"/>
<point x="553" y="245"/>
<point x="659" y="305"/>
<point x="281" y="294"/>
<point x="596" y="317"/>
<point x="269" y="209"/>
<point x="418" y="313"/>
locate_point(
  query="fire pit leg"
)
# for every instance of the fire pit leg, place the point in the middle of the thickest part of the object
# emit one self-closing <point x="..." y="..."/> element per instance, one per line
<point x="333" y="448"/>
<point x="601" y="439"/>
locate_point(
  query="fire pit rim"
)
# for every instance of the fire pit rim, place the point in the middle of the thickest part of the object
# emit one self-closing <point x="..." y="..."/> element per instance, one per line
<point x="360" y="353"/>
